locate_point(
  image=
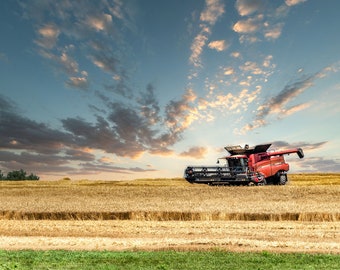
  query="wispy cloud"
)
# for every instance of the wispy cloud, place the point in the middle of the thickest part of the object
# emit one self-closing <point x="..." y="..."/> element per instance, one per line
<point x="304" y="145"/>
<point x="273" y="31"/>
<point x="250" y="25"/>
<point x="294" y="2"/>
<point x="60" y="25"/>
<point x="180" y="114"/>
<point x="228" y="103"/>
<point x="195" y="152"/>
<point x="211" y="13"/>
<point x="218" y="45"/>
<point x="100" y="22"/>
<point x="279" y="106"/>
<point x="197" y="47"/>
<point x="214" y="9"/>
<point x="262" y="20"/>
<point x="47" y="36"/>
<point x="247" y="7"/>
<point x="79" y="82"/>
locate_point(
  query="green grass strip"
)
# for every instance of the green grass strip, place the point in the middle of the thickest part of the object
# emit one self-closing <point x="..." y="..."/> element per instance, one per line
<point x="163" y="260"/>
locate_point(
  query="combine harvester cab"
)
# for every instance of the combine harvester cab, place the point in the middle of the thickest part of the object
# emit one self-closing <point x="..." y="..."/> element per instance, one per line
<point x="245" y="166"/>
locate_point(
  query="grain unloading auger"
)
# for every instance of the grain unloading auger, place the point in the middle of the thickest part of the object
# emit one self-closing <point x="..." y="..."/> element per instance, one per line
<point x="244" y="166"/>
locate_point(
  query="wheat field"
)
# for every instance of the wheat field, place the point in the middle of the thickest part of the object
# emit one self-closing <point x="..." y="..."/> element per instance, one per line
<point x="155" y="214"/>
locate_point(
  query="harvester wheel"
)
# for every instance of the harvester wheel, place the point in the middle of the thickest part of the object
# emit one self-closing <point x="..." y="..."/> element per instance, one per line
<point x="282" y="179"/>
<point x="263" y="182"/>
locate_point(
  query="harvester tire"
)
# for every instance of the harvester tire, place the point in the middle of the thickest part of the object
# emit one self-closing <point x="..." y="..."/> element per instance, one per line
<point x="282" y="179"/>
<point x="262" y="183"/>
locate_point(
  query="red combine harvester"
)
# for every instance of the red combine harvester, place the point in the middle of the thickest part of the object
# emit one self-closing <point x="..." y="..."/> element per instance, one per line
<point x="245" y="166"/>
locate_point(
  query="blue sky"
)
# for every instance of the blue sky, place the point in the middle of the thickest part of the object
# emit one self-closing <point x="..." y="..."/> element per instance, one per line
<point x="141" y="88"/>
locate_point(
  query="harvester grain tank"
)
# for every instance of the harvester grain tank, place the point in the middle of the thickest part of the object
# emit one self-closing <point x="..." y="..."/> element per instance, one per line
<point x="245" y="166"/>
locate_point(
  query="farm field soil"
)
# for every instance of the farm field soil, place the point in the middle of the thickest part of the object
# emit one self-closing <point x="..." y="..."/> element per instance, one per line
<point x="171" y="214"/>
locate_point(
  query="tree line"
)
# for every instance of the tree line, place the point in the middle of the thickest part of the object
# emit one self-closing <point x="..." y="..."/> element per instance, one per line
<point x="18" y="175"/>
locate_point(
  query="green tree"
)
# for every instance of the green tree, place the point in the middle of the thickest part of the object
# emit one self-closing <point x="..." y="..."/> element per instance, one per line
<point x="32" y="177"/>
<point x="16" y="175"/>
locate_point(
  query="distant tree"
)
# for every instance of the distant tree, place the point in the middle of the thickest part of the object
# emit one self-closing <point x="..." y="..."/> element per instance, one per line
<point x="20" y="175"/>
<point x="1" y="175"/>
<point x="16" y="175"/>
<point x="32" y="177"/>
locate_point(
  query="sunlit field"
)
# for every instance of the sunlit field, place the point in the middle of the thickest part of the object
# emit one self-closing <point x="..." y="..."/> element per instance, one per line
<point x="171" y="214"/>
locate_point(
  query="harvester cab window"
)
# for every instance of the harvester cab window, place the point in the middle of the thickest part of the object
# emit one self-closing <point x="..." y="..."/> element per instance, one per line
<point x="238" y="164"/>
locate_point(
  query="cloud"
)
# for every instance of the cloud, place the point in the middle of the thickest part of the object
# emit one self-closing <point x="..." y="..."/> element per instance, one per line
<point x="247" y="7"/>
<point x="208" y="17"/>
<point x="63" y="60"/>
<point x="214" y="9"/>
<point x="304" y="145"/>
<point x="27" y="159"/>
<point x="252" y="67"/>
<point x="99" y="136"/>
<point x="294" y="109"/>
<point x="235" y="54"/>
<point x="99" y="167"/>
<point x="48" y="36"/>
<point x="279" y="105"/>
<point x="180" y="114"/>
<point x="320" y="164"/>
<point x="79" y="82"/>
<point x="250" y="25"/>
<point x="149" y="106"/>
<point x="120" y="86"/>
<point x="79" y="154"/>
<point x="103" y="57"/>
<point x="294" y="2"/>
<point x="251" y="73"/>
<point x="218" y="45"/>
<point x="267" y="61"/>
<point x="195" y="152"/>
<point x="100" y="22"/>
<point x="233" y="103"/>
<point x="61" y="165"/>
<point x="276" y="104"/>
<point x="273" y="32"/>
<point x="31" y="145"/>
<point x="39" y="163"/>
<point x="61" y="26"/>
<point x="18" y="132"/>
<point x="228" y="71"/>
<point x="197" y="47"/>
<point x="131" y="130"/>
<point x="125" y="131"/>
<point x="263" y="19"/>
